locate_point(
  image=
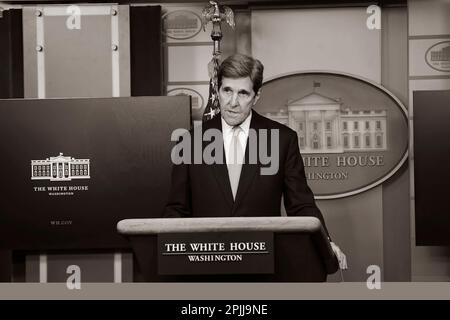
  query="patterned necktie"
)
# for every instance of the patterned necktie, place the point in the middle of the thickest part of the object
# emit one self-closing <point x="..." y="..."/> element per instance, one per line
<point x="235" y="157"/>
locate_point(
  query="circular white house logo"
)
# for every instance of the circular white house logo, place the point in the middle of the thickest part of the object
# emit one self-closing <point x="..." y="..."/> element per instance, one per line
<point x="196" y="98"/>
<point x="181" y="24"/>
<point x="352" y="133"/>
<point x="438" y="56"/>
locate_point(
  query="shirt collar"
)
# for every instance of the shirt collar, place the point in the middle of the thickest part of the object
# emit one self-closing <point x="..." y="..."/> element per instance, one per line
<point x="245" y="125"/>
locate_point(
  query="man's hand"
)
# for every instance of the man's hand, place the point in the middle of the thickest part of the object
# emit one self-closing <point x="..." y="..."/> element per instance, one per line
<point x="340" y="256"/>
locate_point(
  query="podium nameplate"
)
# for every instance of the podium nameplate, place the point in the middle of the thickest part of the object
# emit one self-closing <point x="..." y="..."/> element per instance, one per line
<point x="216" y="253"/>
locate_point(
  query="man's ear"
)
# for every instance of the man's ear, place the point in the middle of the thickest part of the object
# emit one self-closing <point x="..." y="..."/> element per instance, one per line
<point x="258" y="94"/>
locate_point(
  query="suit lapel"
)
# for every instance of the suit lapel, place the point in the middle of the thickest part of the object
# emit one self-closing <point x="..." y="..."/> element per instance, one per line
<point x="221" y="174"/>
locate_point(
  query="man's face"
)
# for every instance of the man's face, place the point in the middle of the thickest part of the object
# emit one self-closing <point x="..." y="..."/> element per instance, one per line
<point x="236" y="98"/>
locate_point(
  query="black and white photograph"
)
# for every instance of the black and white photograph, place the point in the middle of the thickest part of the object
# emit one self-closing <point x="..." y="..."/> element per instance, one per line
<point x="228" y="150"/>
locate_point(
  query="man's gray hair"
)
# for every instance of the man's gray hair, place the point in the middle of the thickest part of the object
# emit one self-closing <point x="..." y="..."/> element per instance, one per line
<point x="242" y="66"/>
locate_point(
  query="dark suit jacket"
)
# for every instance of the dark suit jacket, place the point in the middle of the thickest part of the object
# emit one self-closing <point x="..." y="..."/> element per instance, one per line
<point x="201" y="190"/>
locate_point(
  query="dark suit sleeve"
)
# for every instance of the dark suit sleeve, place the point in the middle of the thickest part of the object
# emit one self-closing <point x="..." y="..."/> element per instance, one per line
<point x="298" y="197"/>
<point x="179" y="201"/>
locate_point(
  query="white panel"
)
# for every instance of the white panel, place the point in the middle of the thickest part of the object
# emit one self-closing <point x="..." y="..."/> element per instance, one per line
<point x="124" y="57"/>
<point x="115" y="66"/>
<point x="117" y="267"/>
<point x="189" y="63"/>
<point x="40" y="43"/>
<point x="428" y="17"/>
<point x="316" y="39"/>
<point x="417" y="62"/>
<point x="85" y="10"/>
<point x="42" y="268"/>
<point x="78" y="62"/>
<point x="30" y="72"/>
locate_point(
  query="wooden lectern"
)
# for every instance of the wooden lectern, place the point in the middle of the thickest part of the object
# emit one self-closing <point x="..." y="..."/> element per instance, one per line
<point x="301" y="249"/>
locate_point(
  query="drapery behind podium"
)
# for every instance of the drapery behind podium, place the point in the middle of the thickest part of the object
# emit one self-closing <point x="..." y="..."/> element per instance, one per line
<point x="302" y="251"/>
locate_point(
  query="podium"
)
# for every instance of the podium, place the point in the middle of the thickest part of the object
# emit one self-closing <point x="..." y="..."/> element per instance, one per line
<point x="301" y="249"/>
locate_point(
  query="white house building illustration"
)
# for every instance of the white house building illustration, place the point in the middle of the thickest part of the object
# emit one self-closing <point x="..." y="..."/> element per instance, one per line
<point x="323" y="125"/>
<point x="60" y="168"/>
<point x="441" y="55"/>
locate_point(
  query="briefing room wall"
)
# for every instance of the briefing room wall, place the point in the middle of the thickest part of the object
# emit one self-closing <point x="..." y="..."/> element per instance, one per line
<point x="337" y="39"/>
<point x="428" y="24"/>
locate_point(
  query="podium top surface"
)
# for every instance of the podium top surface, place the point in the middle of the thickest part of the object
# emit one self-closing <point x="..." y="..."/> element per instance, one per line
<point x="231" y="224"/>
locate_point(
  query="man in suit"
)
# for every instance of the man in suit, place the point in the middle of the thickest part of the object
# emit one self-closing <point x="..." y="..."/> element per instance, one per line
<point x="234" y="185"/>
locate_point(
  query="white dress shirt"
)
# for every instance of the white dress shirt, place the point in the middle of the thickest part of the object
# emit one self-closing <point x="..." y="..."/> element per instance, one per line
<point x="227" y="132"/>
